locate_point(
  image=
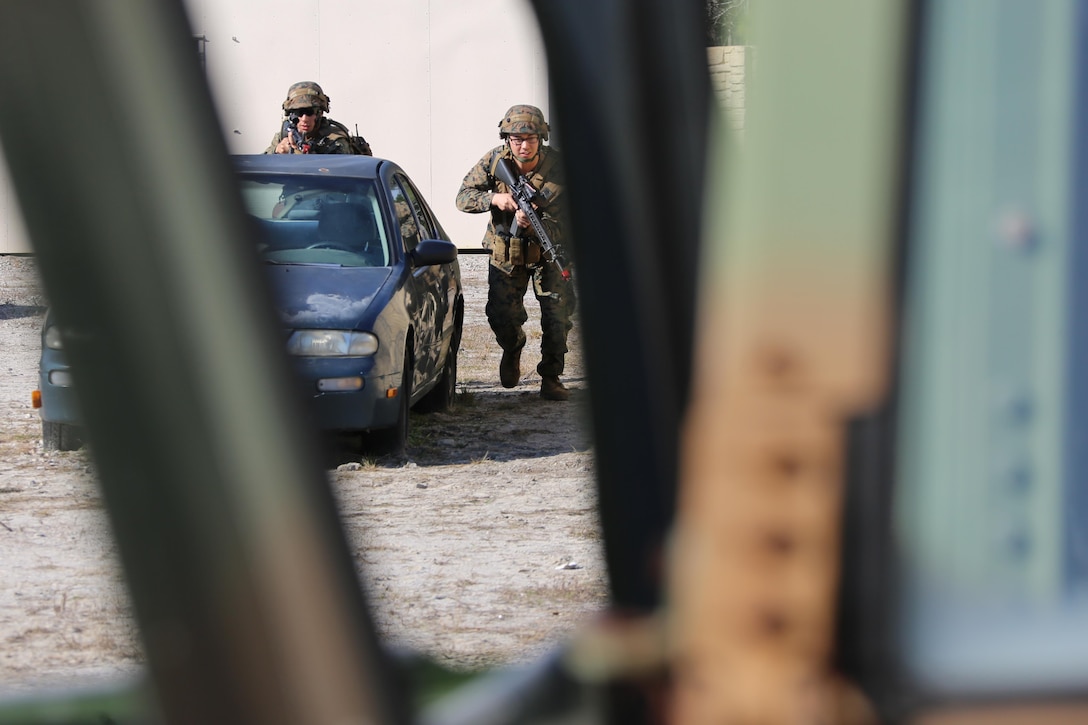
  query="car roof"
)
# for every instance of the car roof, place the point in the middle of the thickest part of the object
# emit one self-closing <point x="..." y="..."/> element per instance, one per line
<point x="341" y="165"/>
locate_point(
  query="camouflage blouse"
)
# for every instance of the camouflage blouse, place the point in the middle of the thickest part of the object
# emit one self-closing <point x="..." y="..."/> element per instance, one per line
<point x="326" y="139"/>
<point x="480" y="183"/>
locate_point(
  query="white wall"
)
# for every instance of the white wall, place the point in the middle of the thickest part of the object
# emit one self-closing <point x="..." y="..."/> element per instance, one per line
<point x="426" y="82"/>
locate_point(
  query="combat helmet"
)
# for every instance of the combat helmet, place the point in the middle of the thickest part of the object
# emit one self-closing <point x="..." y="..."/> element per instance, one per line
<point x="523" y="119"/>
<point x="306" y="94"/>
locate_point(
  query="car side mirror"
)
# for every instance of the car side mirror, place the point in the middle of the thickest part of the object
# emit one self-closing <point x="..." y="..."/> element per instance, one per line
<point x="433" y="251"/>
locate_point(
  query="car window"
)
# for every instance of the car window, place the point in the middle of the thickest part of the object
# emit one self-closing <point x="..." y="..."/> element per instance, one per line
<point x="402" y="206"/>
<point x="428" y="228"/>
<point x="309" y="220"/>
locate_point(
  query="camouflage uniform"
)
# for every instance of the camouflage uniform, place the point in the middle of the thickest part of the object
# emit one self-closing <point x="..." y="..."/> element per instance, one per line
<point x="514" y="262"/>
<point x="326" y="139"/>
<point x="329" y="137"/>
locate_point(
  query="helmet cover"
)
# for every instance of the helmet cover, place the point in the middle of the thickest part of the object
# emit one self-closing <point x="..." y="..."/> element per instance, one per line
<point x="306" y="94"/>
<point x="523" y="119"/>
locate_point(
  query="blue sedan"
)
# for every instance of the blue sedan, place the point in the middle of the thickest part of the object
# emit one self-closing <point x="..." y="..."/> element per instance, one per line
<point x="367" y="289"/>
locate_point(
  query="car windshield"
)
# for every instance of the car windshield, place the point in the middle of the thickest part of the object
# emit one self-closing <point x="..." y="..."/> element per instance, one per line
<point x="315" y="220"/>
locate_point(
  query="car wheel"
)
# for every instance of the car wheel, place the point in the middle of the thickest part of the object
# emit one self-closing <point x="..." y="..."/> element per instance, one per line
<point x="444" y="393"/>
<point x="393" y="441"/>
<point x="60" y="436"/>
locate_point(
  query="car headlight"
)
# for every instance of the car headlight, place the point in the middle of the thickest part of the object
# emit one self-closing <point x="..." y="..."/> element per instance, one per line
<point x="331" y="343"/>
<point x="52" y="338"/>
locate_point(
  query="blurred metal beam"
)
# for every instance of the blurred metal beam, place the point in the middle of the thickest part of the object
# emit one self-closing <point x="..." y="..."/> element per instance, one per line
<point x="246" y="596"/>
<point x="631" y="101"/>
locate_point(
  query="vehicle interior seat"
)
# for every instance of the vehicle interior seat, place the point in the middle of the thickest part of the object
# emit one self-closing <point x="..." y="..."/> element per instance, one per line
<point x="279" y="234"/>
<point x="353" y="227"/>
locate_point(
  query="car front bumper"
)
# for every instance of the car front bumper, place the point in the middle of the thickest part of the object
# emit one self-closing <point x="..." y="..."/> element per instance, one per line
<point x="58" y="401"/>
<point x="374" y="405"/>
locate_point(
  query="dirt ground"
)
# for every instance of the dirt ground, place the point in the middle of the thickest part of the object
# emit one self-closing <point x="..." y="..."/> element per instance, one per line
<point x="483" y="549"/>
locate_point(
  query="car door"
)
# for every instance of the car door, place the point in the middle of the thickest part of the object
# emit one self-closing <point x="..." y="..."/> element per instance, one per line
<point x="425" y="288"/>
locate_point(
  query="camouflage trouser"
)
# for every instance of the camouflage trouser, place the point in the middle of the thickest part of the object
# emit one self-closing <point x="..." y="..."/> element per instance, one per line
<point x="506" y="311"/>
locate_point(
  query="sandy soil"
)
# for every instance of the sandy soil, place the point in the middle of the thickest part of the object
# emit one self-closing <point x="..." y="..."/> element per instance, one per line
<point x="483" y="549"/>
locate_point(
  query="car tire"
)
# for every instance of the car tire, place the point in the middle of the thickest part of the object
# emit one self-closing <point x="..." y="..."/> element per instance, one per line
<point x="444" y="392"/>
<point x="394" y="441"/>
<point x="60" y="436"/>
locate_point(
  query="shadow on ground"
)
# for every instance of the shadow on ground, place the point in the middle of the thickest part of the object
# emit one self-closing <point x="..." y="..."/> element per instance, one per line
<point x="485" y="423"/>
<point x="15" y="312"/>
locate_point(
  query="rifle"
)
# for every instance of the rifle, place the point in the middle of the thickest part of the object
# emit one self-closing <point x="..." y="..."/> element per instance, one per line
<point x="524" y="194"/>
<point x="291" y="126"/>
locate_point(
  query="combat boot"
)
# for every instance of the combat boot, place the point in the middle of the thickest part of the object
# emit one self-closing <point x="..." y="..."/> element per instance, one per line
<point x="510" y="368"/>
<point x="552" y="389"/>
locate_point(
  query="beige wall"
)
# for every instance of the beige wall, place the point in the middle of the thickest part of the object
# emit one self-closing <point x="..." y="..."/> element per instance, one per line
<point x="425" y="81"/>
<point x="729" y="66"/>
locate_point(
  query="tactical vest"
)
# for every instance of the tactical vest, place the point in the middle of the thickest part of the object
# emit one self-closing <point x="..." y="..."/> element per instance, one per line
<point x="357" y="143"/>
<point x="329" y="132"/>
<point x="536" y="176"/>
<point x="522" y="250"/>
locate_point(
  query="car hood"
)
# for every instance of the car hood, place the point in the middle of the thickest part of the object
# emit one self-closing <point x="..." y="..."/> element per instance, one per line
<point x="315" y="297"/>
